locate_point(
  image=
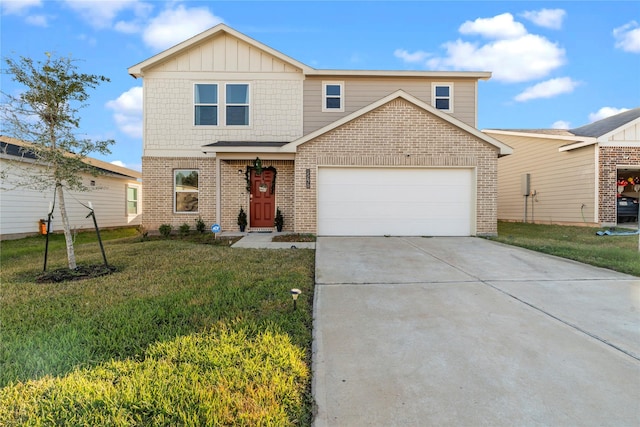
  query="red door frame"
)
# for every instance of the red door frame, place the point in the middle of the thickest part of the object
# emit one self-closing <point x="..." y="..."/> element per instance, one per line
<point x="262" y="206"/>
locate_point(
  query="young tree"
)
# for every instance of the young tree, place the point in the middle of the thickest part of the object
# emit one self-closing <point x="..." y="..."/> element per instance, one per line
<point x="45" y="114"/>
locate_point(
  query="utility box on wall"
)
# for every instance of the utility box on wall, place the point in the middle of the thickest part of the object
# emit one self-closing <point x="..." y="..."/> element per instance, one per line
<point x="525" y="184"/>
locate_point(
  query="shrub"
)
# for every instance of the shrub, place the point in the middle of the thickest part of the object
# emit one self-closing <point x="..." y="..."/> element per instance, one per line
<point x="184" y="229"/>
<point x="165" y="230"/>
<point x="200" y="226"/>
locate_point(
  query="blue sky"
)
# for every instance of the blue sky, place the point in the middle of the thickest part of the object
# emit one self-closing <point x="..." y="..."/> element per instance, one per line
<point x="554" y="64"/>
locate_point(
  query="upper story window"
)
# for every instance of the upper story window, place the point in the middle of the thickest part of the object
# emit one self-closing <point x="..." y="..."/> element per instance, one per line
<point x="442" y="97"/>
<point x="185" y="190"/>
<point x="237" y="104"/>
<point x="333" y="96"/>
<point x="205" y="101"/>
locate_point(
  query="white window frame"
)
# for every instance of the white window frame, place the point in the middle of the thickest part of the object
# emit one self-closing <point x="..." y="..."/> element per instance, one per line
<point x="137" y="200"/>
<point x="325" y="97"/>
<point x="195" y="104"/>
<point x="175" y="198"/>
<point x="434" y="98"/>
<point x="248" y="105"/>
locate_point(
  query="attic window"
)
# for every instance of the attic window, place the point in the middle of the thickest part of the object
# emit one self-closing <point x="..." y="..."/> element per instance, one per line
<point x="442" y="97"/>
<point x="333" y="96"/>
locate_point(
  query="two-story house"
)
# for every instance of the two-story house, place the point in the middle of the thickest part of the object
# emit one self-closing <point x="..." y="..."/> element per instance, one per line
<point x="231" y="123"/>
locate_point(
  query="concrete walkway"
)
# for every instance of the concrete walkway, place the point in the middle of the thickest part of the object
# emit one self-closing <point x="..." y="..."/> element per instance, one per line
<point x="263" y="241"/>
<point x="468" y="332"/>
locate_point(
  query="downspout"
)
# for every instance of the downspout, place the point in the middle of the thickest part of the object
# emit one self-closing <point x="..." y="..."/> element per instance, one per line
<point x="596" y="194"/>
<point x="218" y="195"/>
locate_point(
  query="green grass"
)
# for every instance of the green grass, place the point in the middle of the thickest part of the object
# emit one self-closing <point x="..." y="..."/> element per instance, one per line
<point x="619" y="253"/>
<point x="182" y="334"/>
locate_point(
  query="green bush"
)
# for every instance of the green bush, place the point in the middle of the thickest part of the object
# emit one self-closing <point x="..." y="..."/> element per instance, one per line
<point x="200" y="226"/>
<point x="165" y="230"/>
<point x="185" y="229"/>
<point x="225" y="377"/>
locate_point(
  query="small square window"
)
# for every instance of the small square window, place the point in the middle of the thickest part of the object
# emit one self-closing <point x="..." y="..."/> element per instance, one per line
<point x="333" y="94"/>
<point x="442" y="97"/>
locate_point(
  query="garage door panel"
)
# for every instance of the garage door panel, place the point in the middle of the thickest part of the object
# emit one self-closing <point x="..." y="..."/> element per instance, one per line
<point x="408" y="202"/>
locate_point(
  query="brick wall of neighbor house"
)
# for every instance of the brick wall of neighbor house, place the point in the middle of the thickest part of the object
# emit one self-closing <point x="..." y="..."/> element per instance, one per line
<point x="157" y="176"/>
<point x="397" y="134"/>
<point x="610" y="159"/>
<point x="234" y="193"/>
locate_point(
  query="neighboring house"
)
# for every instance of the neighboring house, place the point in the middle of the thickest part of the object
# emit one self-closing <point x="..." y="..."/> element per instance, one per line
<point x="231" y="123"/>
<point x="115" y="195"/>
<point x="573" y="174"/>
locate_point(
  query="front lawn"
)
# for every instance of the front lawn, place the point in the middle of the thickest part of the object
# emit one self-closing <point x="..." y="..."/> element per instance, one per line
<point x="582" y="244"/>
<point x="182" y="333"/>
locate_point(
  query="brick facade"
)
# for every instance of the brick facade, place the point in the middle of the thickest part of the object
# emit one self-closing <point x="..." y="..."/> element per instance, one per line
<point x="397" y="134"/>
<point x="235" y="195"/>
<point x="611" y="159"/>
<point x="157" y="198"/>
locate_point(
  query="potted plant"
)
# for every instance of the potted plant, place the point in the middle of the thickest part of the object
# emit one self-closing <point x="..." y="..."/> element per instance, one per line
<point x="242" y="219"/>
<point x="279" y="221"/>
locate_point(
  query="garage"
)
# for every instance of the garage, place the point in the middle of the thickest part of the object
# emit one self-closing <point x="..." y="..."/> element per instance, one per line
<point x="396" y="201"/>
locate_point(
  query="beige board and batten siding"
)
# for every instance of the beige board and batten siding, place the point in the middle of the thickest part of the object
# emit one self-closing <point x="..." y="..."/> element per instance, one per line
<point x="564" y="182"/>
<point x="275" y="97"/>
<point x="362" y="91"/>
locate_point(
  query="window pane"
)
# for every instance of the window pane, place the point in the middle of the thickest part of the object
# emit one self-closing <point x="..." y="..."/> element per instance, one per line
<point x="237" y="94"/>
<point x="186" y="180"/>
<point x="442" y="90"/>
<point x="206" y="94"/>
<point x="132" y="193"/>
<point x="237" y="116"/>
<point x="186" y="202"/>
<point x="333" y="90"/>
<point x="132" y="208"/>
<point x="442" y="104"/>
<point x="333" y="102"/>
<point x="206" y="116"/>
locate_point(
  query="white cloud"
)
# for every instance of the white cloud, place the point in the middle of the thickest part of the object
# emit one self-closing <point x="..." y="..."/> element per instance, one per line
<point x="628" y="37"/>
<point x="100" y="14"/>
<point x="528" y="57"/>
<point x="37" y="20"/>
<point x="128" y="112"/>
<point x="549" y="18"/>
<point x="18" y="7"/>
<point x="512" y="54"/>
<point x="498" y="27"/>
<point x="605" y="112"/>
<point x="417" y="56"/>
<point x="561" y="124"/>
<point x="173" y="26"/>
<point x="548" y="89"/>
<point x="118" y="163"/>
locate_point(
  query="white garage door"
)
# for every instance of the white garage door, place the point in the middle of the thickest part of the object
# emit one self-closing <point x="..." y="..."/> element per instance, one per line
<point x="395" y="202"/>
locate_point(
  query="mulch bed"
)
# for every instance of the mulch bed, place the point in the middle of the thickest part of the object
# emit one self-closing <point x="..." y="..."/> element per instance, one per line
<point x="82" y="272"/>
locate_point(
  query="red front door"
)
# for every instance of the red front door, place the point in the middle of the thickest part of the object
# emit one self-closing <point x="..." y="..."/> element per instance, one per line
<point x="262" y="208"/>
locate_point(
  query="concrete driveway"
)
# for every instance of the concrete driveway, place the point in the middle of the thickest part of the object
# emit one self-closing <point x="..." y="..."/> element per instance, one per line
<point x="468" y="332"/>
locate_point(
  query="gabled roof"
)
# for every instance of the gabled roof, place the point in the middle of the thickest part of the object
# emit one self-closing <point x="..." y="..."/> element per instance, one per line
<point x="18" y="148"/>
<point x="138" y="69"/>
<point x="593" y="133"/>
<point x="504" y="148"/>
<point x="607" y="125"/>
